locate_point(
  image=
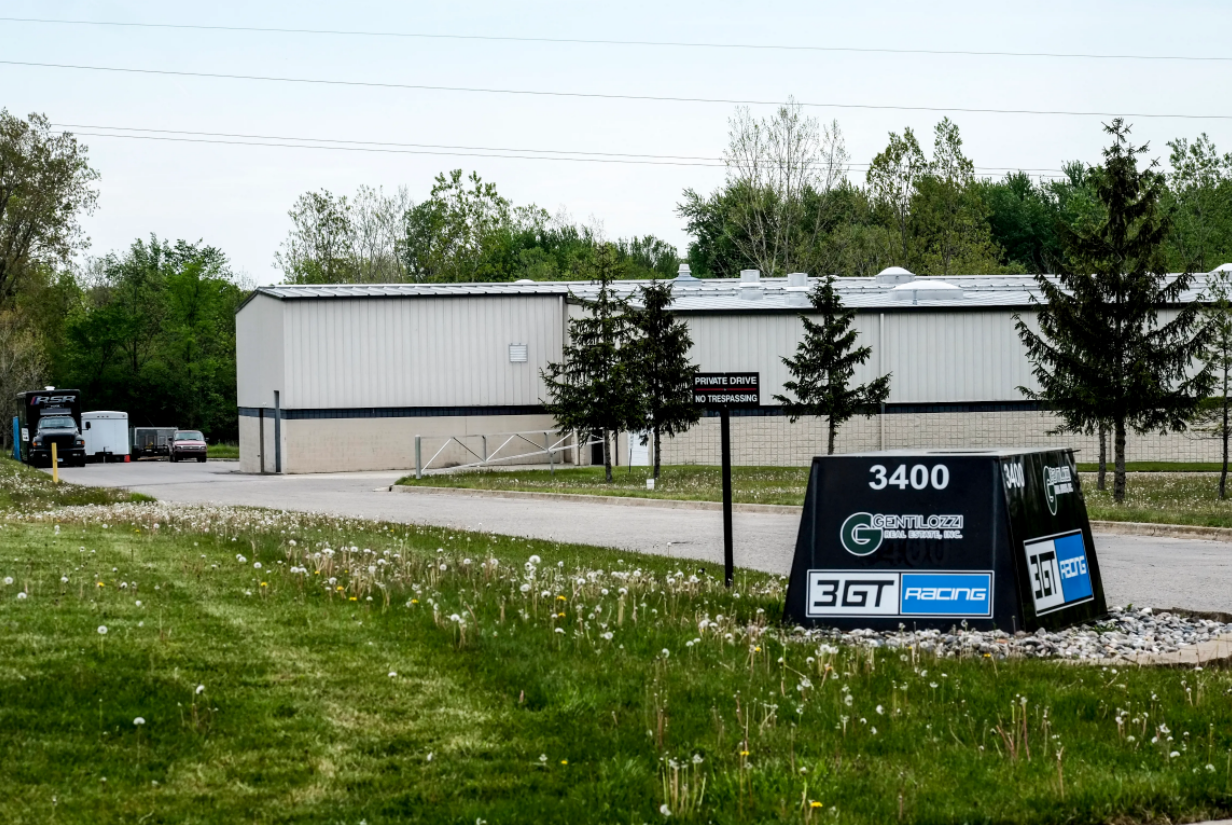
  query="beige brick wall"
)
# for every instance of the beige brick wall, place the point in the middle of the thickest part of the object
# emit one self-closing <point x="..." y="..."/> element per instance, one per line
<point x="325" y="445"/>
<point x="338" y="445"/>
<point x="773" y="440"/>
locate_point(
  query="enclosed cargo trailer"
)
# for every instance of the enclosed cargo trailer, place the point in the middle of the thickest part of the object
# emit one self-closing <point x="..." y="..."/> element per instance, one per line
<point x="106" y="435"/>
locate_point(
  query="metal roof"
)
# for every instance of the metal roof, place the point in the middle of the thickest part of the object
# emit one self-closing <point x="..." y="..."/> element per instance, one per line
<point x="720" y="294"/>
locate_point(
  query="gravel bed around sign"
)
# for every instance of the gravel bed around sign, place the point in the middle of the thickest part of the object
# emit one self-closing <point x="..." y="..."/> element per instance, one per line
<point x="1125" y="633"/>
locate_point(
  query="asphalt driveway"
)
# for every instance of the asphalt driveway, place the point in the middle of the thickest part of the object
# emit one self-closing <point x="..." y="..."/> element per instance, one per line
<point x="1159" y="572"/>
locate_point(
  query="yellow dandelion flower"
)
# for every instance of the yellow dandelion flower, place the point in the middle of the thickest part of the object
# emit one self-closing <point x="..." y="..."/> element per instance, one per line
<point x="744" y="753"/>
<point x="564" y="761"/>
<point x="264" y="584"/>
<point x="414" y="601"/>
<point x="340" y="588"/>
<point x="757" y="650"/>
<point x="561" y="615"/>
<point x="354" y="599"/>
<point x="561" y="599"/>
<point x="100" y="584"/>
<point x="813" y="803"/>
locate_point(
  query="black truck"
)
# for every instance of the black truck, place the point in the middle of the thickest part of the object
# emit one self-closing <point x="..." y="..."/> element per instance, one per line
<point x="51" y="416"/>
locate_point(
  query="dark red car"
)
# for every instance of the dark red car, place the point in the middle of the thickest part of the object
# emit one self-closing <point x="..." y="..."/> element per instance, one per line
<point x="188" y="444"/>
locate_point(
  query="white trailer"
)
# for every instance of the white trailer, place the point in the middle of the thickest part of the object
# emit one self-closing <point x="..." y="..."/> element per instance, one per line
<point x="106" y="435"/>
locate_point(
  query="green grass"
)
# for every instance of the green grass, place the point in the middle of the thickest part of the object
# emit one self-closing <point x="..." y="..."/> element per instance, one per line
<point x="750" y="485"/>
<point x="223" y="451"/>
<point x="24" y="488"/>
<point x="1153" y="496"/>
<point x="1164" y="498"/>
<point x="1158" y="467"/>
<point x="424" y="685"/>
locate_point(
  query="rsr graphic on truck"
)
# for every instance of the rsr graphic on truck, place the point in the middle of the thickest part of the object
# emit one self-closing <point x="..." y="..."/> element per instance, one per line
<point x="51" y="417"/>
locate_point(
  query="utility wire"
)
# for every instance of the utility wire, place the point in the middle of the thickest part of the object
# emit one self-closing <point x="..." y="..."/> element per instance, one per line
<point x="328" y="143"/>
<point x="598" y="42"/>
<point x="373" y="147"/>
<point x="602" y="96"/>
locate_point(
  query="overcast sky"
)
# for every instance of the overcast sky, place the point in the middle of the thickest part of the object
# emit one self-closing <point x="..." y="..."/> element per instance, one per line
<point x="236" y="197"/>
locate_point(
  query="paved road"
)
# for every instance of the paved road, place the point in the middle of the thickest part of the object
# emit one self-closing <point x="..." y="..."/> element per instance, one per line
<point x="1160" y="572"/>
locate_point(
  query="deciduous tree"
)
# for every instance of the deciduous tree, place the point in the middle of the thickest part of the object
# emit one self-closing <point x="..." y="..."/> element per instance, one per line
<point x="46" y="184"/>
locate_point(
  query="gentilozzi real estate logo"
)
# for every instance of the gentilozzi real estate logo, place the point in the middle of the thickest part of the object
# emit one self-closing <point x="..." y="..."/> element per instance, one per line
<point x="862" y="533"/>
<point x="1057" y="481"/>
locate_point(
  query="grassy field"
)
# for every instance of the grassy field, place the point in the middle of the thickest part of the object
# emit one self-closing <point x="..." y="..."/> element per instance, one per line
<point x="273" y="667"/>
<point x="223" y="451"/>
<point x="1154" y="496"/>
<point x="750" y="485"/>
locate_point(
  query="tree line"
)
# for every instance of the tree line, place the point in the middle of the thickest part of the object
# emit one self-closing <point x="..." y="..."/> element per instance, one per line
<point x="150" y="329"/>
<point x="789" y="203"/>
<point x="463" y="232"/>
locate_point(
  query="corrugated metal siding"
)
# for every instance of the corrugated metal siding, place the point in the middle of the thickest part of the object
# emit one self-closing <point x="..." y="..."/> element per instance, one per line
<point x="427" y="352"/>
<point x="935" y="357"/>
<point x="260" y="348"/>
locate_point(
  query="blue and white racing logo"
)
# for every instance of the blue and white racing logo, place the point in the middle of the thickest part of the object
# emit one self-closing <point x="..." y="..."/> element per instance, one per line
<point x="1058" y="574"/>
<point x="947" y="594"/>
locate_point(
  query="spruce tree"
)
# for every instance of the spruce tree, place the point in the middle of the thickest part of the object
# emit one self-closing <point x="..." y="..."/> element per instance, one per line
<point x="825" y="361"/>
<point x="1101" y="353"/>
<point x="596" y="387"/>
<point x="666" y="376"/>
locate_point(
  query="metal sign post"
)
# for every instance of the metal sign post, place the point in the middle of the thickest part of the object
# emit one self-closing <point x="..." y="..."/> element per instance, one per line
<point x="722" y="391"/>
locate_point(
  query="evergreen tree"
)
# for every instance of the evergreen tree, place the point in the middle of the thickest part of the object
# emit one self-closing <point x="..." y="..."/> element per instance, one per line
<point x="1101" y="353"/>
<point x="662" y="357"/>
<point x="824" y="364"/>
<point x="596" y="387"/>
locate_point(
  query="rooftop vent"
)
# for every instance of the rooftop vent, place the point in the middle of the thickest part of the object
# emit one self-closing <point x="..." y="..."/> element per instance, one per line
<point x="685" y="275"/>
<point x="750" y="285"/>
<point x="797" y="289"/>
<point x="925" y="289"/>
<point x="894" y="275"/>
<point x="523" y="281"/>
<point x="1222" y="268"/>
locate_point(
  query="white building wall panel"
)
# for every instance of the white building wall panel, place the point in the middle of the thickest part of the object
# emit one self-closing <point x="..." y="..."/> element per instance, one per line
<point x="418" y="352"/>
<point x="261" y="347"/>
<point x="935" y="357"/>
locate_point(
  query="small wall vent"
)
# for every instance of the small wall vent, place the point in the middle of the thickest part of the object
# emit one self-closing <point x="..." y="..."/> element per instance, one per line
<point x="518" y="354"/>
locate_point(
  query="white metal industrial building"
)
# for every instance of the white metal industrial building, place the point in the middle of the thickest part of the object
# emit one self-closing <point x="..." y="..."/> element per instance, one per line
<point x="345" y="377"/>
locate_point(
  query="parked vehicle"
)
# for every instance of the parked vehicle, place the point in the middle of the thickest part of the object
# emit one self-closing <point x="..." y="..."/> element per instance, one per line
<point x="106" y="435"/>
<point x="188" y="444"/>
<point x="51" y="416"/>
<point x="154" y="441"/>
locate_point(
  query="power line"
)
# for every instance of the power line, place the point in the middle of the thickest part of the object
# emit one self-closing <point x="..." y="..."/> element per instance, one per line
<point x="227" y="139"/>
<point x="329" y="143"/>
<point x="602" y="95"/>
<point x="600" y="42"/>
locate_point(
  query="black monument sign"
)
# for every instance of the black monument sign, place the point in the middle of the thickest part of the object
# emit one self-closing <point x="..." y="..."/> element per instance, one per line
<point x="997" y="538"/>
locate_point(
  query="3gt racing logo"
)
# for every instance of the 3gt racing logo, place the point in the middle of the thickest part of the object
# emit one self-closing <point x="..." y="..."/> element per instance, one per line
<point x="858" y="535"/>
<point x="1057" y="480"/>
<point x="956" y="594"/>
<point x="862" y="533"/>
<point x="1057" y="572"/>
<point x="851" y="593"/>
